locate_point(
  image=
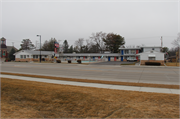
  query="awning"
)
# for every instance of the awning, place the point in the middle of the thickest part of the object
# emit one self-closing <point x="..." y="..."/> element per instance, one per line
<point x="151" y="55"/>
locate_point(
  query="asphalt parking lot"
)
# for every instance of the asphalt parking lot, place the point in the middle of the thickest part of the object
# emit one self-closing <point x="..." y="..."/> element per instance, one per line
<point x="156" y="75"/>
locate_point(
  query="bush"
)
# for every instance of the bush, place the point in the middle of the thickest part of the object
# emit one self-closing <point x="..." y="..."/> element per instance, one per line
<point x="7" y="60"/>
<point x="79" y="61"/>
<point x="69" y="61"/>
<point x="58" y="61"/>
<point x="153" y="63"/>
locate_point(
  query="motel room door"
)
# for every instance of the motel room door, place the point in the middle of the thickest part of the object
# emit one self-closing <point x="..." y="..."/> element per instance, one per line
<point x="109" y="58"/>
<point x="114" y="58"/>
<point x="121" y="58"/>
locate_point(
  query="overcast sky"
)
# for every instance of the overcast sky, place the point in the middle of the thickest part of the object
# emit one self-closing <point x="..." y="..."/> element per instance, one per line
<point x="139" y="22"/>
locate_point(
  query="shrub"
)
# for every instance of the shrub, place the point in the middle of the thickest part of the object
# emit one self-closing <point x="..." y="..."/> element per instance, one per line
<point x="79" y="61"/>
<point x="153" y="63"/>
<point x="58" y="61"/>
<point x="69" y="61"/>
<point x="7" y="60"/>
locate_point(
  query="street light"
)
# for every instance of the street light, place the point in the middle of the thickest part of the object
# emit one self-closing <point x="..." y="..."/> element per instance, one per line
<point x="40" y="47"/>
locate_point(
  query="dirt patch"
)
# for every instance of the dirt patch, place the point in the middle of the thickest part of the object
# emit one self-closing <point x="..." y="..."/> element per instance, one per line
<point x="98" y="81"/>
<point x="28" y="99"/>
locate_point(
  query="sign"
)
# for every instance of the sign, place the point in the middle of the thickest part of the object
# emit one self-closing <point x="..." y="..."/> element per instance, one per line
<point x="55" y="50"/>
<point x="56" y="44"/>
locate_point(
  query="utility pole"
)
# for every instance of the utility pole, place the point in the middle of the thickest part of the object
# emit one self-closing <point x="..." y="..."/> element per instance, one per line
<point x="161" y="42"/>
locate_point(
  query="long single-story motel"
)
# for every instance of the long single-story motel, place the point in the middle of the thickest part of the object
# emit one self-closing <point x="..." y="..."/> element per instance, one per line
<point x="142" y="54"/>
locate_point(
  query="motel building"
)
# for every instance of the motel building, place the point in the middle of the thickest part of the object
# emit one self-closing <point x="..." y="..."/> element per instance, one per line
<point x="142" y="54"/>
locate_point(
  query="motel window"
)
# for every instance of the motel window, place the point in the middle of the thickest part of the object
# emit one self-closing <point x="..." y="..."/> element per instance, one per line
<point x="126" y="51"/>
<point x="24" y="56"/>
<point x="133" y="51"/>
<point x="151" y="58"/>
<point x="36" y="56"/>
<point x="21" y="56"/>
<point x="27" y="56"/>
<point x="152" y="48"/>
<point x="45" y="56"/>
<point x="117" y="57"/>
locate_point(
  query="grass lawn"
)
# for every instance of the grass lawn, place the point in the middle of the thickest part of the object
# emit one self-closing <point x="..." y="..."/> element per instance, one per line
<point x="172" y="64"/>
<point x="27" y="99"/>
<point x="98" y="81"/>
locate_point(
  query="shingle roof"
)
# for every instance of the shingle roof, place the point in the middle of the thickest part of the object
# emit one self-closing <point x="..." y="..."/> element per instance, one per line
<point x="10" y="47"/>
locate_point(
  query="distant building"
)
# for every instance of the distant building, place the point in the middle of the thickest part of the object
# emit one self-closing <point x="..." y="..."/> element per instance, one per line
<point x="4" y="51"/>
<point x="151" y="54"/>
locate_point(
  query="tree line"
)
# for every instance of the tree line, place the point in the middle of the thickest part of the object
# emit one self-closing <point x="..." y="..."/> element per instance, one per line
<point x="96" y="43"/>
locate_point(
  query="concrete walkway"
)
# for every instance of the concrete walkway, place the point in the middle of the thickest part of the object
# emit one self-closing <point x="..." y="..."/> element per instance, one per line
<point x="96" y="85"/>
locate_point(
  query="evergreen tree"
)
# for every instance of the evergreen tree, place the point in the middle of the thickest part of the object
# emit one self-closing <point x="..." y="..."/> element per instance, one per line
<point x="11" y="56"/>
<point x="49" y="45"/>
<point x="65" y="46"/>
<point x="71" y="49"/>
<point x="113" y="42"/>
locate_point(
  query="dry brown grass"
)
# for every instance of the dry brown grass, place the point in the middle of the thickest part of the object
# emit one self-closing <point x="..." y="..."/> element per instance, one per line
<point x="98" y="81"/>
<point x="172" y="64"/>
<point x="27" y="99"/>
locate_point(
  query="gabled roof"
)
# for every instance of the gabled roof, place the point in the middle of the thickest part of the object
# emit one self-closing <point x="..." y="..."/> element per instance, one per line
<point x="129" y="48"/>
<point x="10" y="47"/>
<point x="150" y="52"/>
<point x="36" y="52"/>
<point x="150" y="46"/>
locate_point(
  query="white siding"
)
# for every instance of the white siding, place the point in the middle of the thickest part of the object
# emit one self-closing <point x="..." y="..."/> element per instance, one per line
<point x="18" y="55"/>
<point x="158" y="56"/>
<point x="148" y="49"/>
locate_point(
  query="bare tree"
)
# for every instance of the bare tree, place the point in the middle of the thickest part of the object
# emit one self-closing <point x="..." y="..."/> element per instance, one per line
<point x="79" y="44"/>
<point x="98" y="39"/>
<point x="176" y="42"/>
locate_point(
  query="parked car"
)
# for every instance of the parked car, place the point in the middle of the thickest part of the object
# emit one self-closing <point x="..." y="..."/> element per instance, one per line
<point x="130" y="59"/>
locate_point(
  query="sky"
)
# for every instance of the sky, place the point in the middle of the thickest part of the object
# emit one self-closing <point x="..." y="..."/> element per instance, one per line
<point x="139" y="22"/>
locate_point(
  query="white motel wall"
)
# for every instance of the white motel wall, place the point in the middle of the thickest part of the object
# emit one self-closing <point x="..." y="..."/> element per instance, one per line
<point x="151" y="56"/>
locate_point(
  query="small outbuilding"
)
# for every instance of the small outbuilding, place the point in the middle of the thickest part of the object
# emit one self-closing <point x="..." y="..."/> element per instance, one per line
<point x="150" y="57"/>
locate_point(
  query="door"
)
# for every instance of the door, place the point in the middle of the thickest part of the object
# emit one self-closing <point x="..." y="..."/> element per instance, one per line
<point x="109" y="58"/>
<point x="121" y="58"/>
<point x="114" y="58"/>
<point x="93" y="58"/>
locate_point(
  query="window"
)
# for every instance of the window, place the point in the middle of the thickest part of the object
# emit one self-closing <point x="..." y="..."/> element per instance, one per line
<point x="21" y="56"/>
<point x="133" y="51"/>
<point x="117" y="57"/>
<point x="34" y="57"/>
<point x="45" y="56"/>
<point x="27" y="56"/>
<point x="151" y="58"/>
<point x="24" y="56"/>
<point x="152" y="48"/>
<point x="126" y="51"/>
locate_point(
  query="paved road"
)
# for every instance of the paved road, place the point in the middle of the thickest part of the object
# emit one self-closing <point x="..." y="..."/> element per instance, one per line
<point x="98" y="72"/>
<point x="111" y="63"/>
